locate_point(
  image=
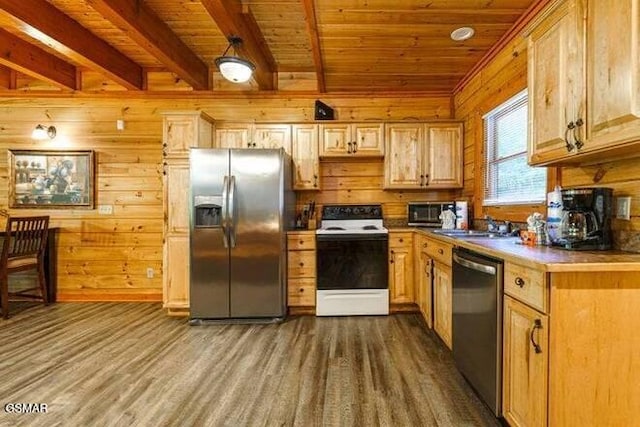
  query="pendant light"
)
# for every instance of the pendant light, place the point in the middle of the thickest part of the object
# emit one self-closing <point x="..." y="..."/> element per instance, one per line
<point x="234" y="68"/>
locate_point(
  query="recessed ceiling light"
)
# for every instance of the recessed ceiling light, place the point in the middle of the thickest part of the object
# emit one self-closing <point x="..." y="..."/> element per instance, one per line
<point x="462" y="33"/>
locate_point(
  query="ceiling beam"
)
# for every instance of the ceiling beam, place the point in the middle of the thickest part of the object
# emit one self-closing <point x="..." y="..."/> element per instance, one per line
<point x="151" y="33"/>
<point x="314" y="38"/>
<point x="234" y="20"/>
<point x="42" y="21"/>
<point x="31" y="60"/>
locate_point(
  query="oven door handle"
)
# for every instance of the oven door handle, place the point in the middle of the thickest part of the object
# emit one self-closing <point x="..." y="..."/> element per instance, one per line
<point x="488" y="269"/>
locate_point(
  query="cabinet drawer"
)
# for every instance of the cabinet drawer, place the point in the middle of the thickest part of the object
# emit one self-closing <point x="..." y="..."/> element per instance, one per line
<point x="301" y="241"/>
<point x="400" y="240"/>
<point x="302" y="264"/>
<point x="438" y="251"/>
<point x="302" y="292"/>
<point x="527" y="285"/>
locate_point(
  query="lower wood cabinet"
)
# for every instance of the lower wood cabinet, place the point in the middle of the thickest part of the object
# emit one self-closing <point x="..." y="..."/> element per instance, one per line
<point x="301" y="261"/>
<point x="442" y="301"/>
<point x="526" y="364"/>
<point x="401" y="288"/>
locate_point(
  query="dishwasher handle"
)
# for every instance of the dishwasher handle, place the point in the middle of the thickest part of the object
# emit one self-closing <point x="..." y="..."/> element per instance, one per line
<point x="488" y="269"/>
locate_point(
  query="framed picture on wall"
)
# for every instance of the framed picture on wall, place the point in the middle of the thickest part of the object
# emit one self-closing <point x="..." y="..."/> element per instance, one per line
<point x="51" y="179"/>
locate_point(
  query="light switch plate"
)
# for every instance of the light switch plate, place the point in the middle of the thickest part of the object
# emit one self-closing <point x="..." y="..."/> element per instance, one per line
<point x="623" y="210"/>
<point x="105" y="209"/>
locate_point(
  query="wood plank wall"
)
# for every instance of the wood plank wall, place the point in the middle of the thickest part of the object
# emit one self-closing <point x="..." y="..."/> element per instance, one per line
<point x="105" y="257"/>
<point x="505" y="76"/>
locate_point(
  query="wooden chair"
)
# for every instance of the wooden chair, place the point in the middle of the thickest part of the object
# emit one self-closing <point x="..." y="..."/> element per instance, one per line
<point x="25" y="242"/>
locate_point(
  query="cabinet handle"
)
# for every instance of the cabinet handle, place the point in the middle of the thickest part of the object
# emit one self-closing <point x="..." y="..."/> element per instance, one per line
<point x="421" y="180"/>
<point x="315" y="180"/>
<point x="164" y="153"/>
<point x="355" y="145"/>
<point x="519" y="282"/>
<point x="537" y="324"/>
<point x="164" y="144"/>
<point x="392" y="256"/>
<point x="349" y="148"/>
<point x="567" y="144"/>
<point x="426" y="180"/>
<point x="578" y="143"/>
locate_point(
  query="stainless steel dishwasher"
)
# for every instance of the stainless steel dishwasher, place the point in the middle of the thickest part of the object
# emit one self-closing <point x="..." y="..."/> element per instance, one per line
<point x="477" y="323"/>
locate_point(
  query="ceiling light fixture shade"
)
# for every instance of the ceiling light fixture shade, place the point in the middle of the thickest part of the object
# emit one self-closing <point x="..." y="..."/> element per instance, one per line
<point x="234" y="68"/>
<point x="42" y="132"/>
<point x="462" y="33"/>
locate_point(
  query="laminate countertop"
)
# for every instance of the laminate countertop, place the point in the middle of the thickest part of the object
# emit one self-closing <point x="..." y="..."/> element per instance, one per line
<point x="550" y="259"/>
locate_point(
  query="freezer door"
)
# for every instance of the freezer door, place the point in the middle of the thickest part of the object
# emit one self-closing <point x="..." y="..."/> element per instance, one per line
<point x="257" y="238"/>
<point x="209" y="262"/>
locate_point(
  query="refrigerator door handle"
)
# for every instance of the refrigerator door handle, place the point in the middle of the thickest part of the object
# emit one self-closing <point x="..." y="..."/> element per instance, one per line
<point x="225" y="212"/>
<point x="232" y="212"/>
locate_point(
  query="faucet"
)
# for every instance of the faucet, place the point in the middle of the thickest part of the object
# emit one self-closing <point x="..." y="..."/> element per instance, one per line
<point x="491" y="226"/>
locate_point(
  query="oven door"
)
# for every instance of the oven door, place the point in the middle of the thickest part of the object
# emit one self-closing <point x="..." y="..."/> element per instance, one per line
<point x="352" y="261"/>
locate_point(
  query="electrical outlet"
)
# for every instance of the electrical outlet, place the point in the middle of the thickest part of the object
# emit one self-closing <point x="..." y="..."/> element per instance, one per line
<point x="150" y="273"/>
<point x="105" y="209"/>
<point x="623" y="208"/>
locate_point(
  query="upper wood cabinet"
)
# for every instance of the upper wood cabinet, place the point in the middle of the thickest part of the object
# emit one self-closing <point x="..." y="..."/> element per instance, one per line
<point x="183" y="130"/>
<point x="423" y="155"/>
<point x="250" y="135"/>
<point x="304" y="151"/>
<point x="352" y="140"/>
<point x="583" y="98"/>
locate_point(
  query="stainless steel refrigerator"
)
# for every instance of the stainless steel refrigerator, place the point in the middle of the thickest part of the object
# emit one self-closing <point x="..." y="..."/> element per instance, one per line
<point x="242" y="205"/>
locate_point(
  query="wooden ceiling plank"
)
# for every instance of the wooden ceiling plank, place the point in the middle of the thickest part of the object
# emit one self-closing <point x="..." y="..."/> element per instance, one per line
<point x="31" y="60"/>
<point x="49" y="25"/>
<point x="144" y="27"/>
<point x="233" y="20"/>
<point x="314" y="38"/>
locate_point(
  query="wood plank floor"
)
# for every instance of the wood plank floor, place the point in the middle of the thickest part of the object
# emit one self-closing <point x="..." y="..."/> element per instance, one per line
<point x="124" y="364"/>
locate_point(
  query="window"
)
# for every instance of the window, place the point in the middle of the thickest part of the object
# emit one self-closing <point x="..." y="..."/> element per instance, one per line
<point x="508" y="177"/>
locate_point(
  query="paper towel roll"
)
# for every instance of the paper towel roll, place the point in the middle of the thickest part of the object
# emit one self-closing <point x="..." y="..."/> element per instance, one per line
<point x="554" y="213"/>
<point x="462" y="215"/>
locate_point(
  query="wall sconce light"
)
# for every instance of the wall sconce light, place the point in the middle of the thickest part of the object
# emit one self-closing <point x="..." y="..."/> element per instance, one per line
<point x="42" y="132"/>
<point x="234" y="68"/>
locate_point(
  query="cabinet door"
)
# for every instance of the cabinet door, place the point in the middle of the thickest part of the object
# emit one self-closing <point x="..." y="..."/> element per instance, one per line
<point x="180" y="133"/>
<point x="334" y="139"/>
<point x="525" y="369"/>
<point x="272" y="136"/>
<point x="424" y="287"/>
<point x="442" y="300"/>
<point x="232" y="137"/>
<point x="176" y="187"/>
<point x="556" y="82"/>
<point x="306" y="157"/>
<point x="614" y="74"/>
<point x="175" y="277"/>
<point x="404" y="156"/>
<point x="400" y="275"/>
<point x="367" y="140"/>
<point x="444" y="168"/>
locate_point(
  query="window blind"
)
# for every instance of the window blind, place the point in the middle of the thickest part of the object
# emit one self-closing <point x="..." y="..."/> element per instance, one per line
<point x="508" y="177"/>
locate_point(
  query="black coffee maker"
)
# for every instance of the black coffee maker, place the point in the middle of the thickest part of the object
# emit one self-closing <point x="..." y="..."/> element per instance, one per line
<point x="586" y="219"/>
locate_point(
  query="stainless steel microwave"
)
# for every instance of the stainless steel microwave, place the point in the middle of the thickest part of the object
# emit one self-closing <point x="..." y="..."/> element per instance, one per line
<point x="427" y="214"/>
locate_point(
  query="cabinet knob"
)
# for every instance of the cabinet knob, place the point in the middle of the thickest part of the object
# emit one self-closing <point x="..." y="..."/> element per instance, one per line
<point x="519" y="282"/>
<point x="401" y="240"/>
<point x="301" y="242"/>
<point x="302" y="264"/>
<point x="440" y="251"/>
<point x="301" y="290"/>
<point x="164" y="144"/>
<point x="424" y="245"/>
<point x="248" y="145"/>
